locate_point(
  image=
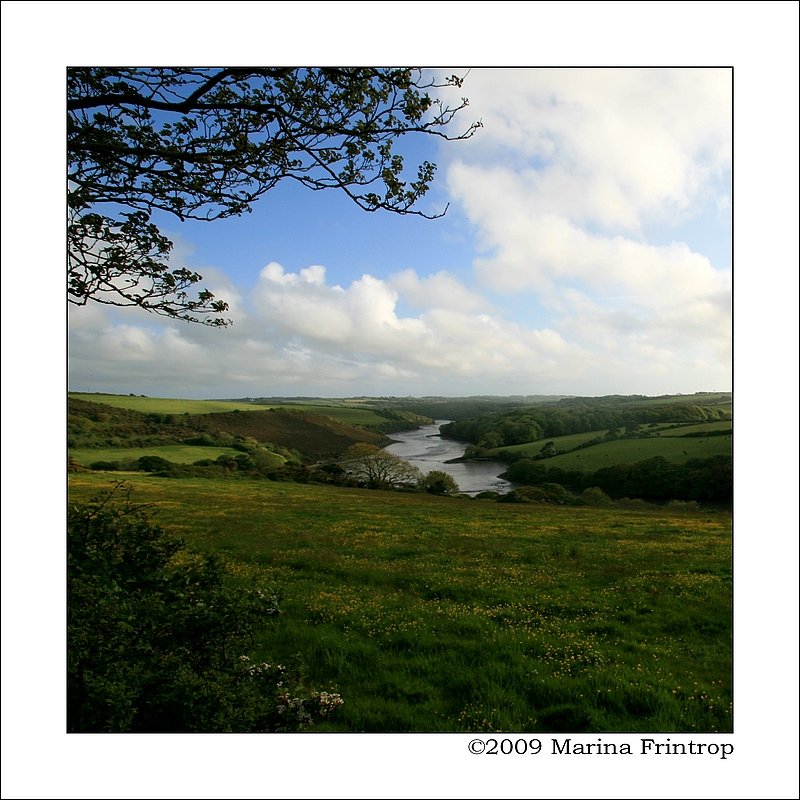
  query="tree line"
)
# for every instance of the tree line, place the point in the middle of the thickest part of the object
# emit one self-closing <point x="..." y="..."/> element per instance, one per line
<point x="655" y="479"/>
<point x="494" y="429"/>
<point x="361" y="466"/>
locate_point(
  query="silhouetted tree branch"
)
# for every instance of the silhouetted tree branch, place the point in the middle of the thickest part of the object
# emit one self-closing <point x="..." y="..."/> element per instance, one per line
<point x="205" y="144"/>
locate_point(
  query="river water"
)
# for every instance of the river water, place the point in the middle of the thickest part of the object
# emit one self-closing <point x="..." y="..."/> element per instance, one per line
<point x="425" y="449"/>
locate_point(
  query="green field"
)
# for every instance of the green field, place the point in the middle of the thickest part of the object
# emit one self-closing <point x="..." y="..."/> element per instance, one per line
<point x="701" y="427"/>
<point x="561" y="443"/>
<point x="629" y="451"/>
<point x="441" y="614"/>
<point x="355" y="414"/>
<point x="716" y="399"/>
<point x="165" y="405"/>
<point x="176" y="453"/>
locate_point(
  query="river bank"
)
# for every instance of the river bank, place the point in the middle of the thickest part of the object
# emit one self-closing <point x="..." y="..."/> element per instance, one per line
<point x="425" y="449"/>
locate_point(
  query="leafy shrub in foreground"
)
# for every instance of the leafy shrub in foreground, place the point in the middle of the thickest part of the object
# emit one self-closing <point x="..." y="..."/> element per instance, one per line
<point x="157" y="638"/>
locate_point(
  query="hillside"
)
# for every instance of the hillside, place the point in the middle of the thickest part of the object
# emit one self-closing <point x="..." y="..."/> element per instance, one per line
<point x="311" y="435"/>
<point x="97" y="425"/>
<point x="614" y="443"/>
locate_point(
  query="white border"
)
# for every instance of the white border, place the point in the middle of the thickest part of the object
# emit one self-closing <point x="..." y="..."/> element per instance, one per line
<point x="41" y="38"/>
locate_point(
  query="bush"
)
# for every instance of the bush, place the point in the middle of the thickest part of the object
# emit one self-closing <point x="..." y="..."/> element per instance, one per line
<point x="552" y="493"/>
<point x="594" y="496"/>
<point x="525" y="494"/>
<point x="438" y="482"/>
<point x="153" y="464"/>
<point x="633" y="502"/>
<point x="683" y="505"/>
<point x="556" y="493"/>
<point x="107" y="466"/>
<point x="157" y="638"/>
<point x="204" y="439"/>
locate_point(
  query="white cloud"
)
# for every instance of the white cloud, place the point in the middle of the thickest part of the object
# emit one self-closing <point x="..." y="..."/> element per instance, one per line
<point x="362" y="317"/>
<point x="546" y="251"/>
<point x="440" y="290"/>
<point x="565" y="183"/>
<point x="570" y="292"/>
<point x="314" y="337"/>
<point x="609" y="146"/>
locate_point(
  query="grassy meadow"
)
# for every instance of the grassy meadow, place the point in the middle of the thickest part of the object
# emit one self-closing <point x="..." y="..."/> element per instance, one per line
<point x="176" y="453"/>
<point x="345" y="412"/>
<point x="561" y="443"/>
<point x="629" y="451"/>
<point x="449" y="614"/>
<point x="165" y="405"/>
<point x="703" y="427"/>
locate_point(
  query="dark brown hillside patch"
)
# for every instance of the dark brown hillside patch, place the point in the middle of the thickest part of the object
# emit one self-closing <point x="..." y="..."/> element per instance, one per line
<point x="313" y="436"/>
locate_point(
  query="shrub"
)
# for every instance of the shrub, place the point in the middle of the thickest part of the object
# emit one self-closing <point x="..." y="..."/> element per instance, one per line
<point x="683" y="505"/>
<point x="153" y="464"/>
<point x="556" y="493"/>
<point x="204" y="439"/>
<point x="552" y="493"/>
<point x="107" y="466"/>
<point x="525" y="494"/>
<point x="633" y="502"/>
<point x="157" y="638"/>
<point x="438" y="482"/>
<point x="594" y="496"/>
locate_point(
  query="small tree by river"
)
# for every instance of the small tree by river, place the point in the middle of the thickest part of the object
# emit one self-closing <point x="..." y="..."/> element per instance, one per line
<point x="378" y="469"/>
<point x="438" y="482"/>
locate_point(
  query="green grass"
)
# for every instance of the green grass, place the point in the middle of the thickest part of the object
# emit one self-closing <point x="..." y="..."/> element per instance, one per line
<point x="716" y="399"/>
<point x="438" y="614"/>
<point x="702" y="427"/>
<point x="561" y="443"/>
<point x="348" y="414"/>
<point x="629" y="451"/>
<point x="176" y="453"/>
<point x="165" y="405"/>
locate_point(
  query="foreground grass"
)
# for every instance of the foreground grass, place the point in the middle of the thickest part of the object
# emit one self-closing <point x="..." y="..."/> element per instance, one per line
<point x="436" y="614"/>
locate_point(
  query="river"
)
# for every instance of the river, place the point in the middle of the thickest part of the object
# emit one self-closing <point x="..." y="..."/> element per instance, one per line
<point x="428" y="451"/>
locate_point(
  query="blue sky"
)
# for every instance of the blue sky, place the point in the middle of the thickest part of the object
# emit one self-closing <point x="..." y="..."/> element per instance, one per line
<point x="586" y="250"/>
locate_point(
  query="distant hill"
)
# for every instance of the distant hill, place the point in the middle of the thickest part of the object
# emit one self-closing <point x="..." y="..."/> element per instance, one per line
<point x="93" y="424"/>
<point x="314" y="436"/>
<point x="378" y="416"/>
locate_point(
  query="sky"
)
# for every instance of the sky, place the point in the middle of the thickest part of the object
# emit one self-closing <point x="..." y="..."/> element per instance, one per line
<point x="586" y="250"/>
